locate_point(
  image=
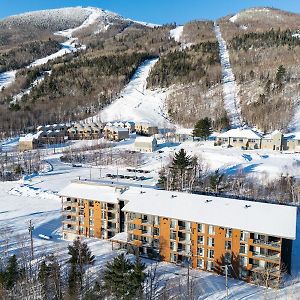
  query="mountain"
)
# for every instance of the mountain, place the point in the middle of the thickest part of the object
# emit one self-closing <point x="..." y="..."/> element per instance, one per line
<point x="66" y="64"/>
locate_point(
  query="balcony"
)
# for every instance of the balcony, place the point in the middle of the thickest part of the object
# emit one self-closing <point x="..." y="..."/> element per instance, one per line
<point x="69" y="220"/>
<point x="111" y="217"/>
<point x="110" y="207"/>
<point x="268" y="244"/>
<point x="271" y="257"/>
<point x="271" y="271"/>
<point x="70" y="228"/>
<point x="69" y="210"/>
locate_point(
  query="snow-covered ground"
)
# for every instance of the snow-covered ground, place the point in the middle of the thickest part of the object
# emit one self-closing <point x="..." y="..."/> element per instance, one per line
<point x="6" y="78"/>
<point x="230" y="88"/>
<point x="136" y="103"/>
<point x="176" y="33"/>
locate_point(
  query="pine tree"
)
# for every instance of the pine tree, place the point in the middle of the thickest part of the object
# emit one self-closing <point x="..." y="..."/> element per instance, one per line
<point x="81" y="257"/>
<point x="12" y="272"/>
<point x="181" y="160"/>
<point x="138" y="277"/>
<point x="215" y="180"/>
<point x="280" y="74"/>
<point x="123" y="279"/>
<point x="202" y="128"/>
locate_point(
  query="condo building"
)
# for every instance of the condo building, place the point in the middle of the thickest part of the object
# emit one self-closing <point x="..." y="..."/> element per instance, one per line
<point x="206" y="232"/>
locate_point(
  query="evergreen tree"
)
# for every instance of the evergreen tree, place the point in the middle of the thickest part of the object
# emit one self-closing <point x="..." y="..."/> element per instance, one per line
<point x="215" y="180"/>
<point x="203" y="128"/>
<point x="81" y="257"/>
<point x="12" y="272"/>
<point x="181" y="160"/>
<point x="138" y="277"/>
<point x="123" y="279"/>
<point x="280" y="74"/>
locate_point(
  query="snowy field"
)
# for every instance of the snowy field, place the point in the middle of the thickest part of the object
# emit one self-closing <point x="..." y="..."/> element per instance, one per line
<point x="230" y="89"/>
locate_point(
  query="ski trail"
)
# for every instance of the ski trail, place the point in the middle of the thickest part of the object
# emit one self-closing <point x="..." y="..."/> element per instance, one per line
<point x="136" y="102"/>
<point x="230" y="89"/>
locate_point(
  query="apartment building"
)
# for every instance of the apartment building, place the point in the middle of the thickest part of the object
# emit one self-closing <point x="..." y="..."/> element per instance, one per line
<point x="146" y="129"/>
<point x="91" y="210"/>
<point x="206" y="232"/>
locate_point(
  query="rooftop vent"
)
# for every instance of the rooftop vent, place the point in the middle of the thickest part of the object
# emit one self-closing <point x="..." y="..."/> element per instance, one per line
<point x="247" y="206"/>
<point x="142" y="192"/>
<point x="208" y="200"/>
<point x="173" y="196"/>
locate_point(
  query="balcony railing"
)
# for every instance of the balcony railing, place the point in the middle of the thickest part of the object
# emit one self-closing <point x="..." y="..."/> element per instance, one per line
<point x="274" y="257"/>
<point x="268" y="244"/>
<point x="69" y="211"/>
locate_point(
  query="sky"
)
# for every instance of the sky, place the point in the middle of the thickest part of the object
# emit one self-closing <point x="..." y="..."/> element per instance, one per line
<point x="155" y="11"/>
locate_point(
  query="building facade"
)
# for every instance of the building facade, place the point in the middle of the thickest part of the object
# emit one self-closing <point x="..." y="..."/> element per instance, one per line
<point x="145" y="144"/>
<point x="206" y="232"/>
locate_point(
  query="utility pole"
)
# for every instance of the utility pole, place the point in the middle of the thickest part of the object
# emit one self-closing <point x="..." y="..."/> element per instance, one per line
<point x="30" y="229"/>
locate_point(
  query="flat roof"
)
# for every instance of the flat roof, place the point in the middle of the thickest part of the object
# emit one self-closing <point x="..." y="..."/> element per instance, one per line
<point x="265" y="218"/>
<point x="90" y="191"/>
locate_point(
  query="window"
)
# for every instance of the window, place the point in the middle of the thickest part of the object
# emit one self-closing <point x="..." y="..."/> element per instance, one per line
<point x="243" y="249"/>
<point x="173" y="246"/>
<point x="91" y="232"/>
<point x="201" y="228"/>
<point x="228" y="232"/>
<point x="173" y="235"/>
<point x="173" y="224"/>
<point x="210" y="265"/>
<point x="81" y="230"/>
<point x="228" y="245"/>
<point x="234" y="140"/>
<point x="91" y="212"/>
<point x="210" y="253"/>
<point x="173" y="257"/>
<point x="243" y="261"/>
<point x="91" y="222"/>
<point x="241" y="140"/>
<point x="156" y="220"/>
<point x="201" y="251"/>
<point x="244" y="236"/>
<point x="200" y="263"/>
<point x="91" y="203"/>
<point x="211" y="229"/>
<point x="156" y="231"/>
<point x="211" y="242"/>
<point x="201" y="240"/>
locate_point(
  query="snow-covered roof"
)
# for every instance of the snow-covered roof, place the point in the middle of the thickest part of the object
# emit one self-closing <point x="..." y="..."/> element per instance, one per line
<point x="272" y="134"/>
<point x="240" y="133"/>
<point x="120" y="237"/>
<point x="270" y="219"/>
<point x="292" y="136"/>
<point x="95" y="192"/>
<point x="145" y="139"/>
<point x="27" y="138"/>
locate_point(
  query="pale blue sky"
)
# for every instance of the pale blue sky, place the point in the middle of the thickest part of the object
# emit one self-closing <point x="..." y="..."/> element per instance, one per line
<point x="156" y="11"/>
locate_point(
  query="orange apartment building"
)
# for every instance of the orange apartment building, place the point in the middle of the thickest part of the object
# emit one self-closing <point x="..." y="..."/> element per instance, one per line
<point x="207" y="232"/>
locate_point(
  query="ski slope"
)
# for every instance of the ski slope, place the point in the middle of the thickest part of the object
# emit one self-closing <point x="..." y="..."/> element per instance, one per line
<point x="7" y="78"/>
<point x="176" y="33"/>
<point x="136" y="102"/>
<point x="230" y="88"/>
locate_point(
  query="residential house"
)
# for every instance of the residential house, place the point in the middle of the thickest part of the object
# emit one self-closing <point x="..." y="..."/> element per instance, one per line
<point x="146" y="129"/>
<point x="115" y="133"/>
<point x="145" y="144"/>
<point x="240" y="138"/>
